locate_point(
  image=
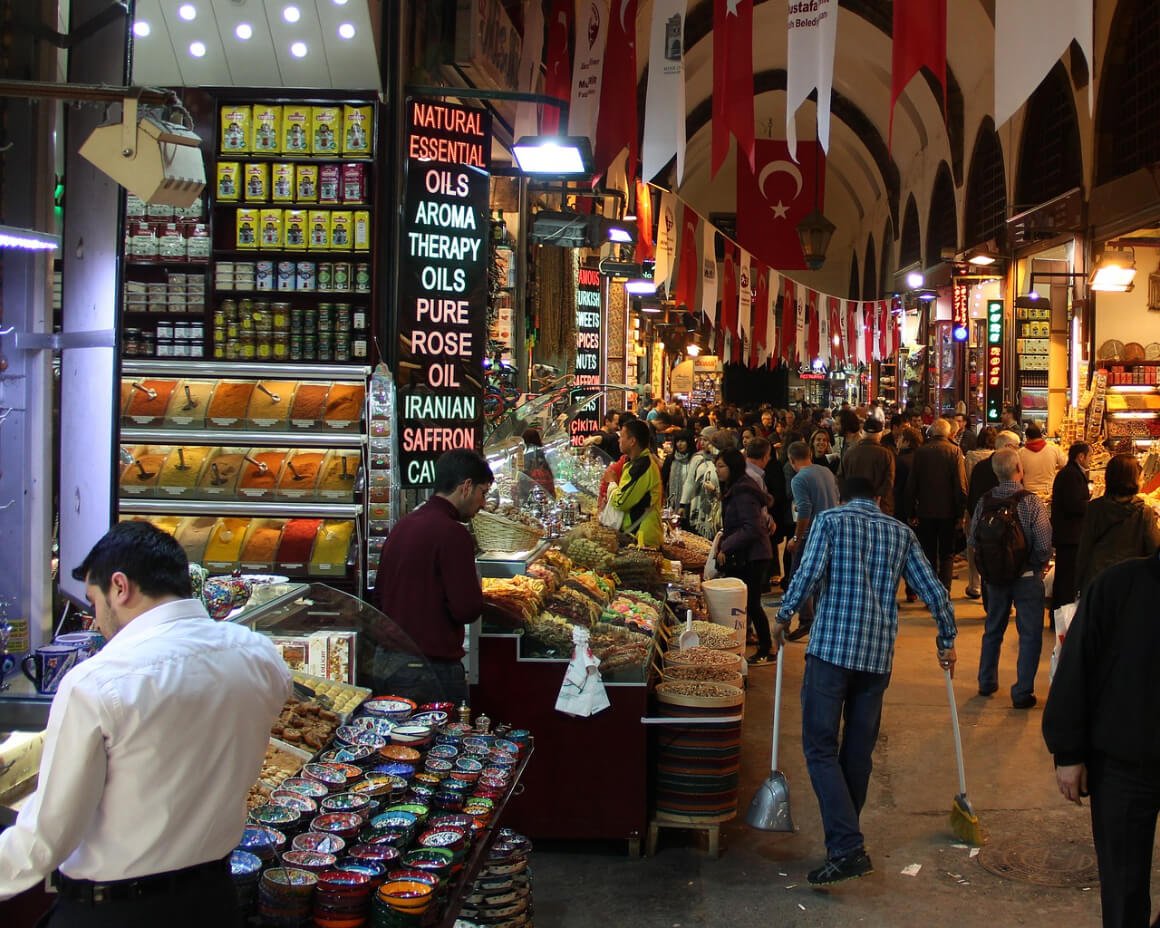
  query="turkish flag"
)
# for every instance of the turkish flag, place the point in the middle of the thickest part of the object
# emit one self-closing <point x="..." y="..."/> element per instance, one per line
<point x="852" y="350"/>
<point x="883" y="320"/>
<point x="788" y="321"/>
<point x="813" y="329"/>
<point x="728" y="315"/>
<point x="646" y="249"/>
<point x="759" y="340"/>
<point x="689" y="269"/>
<point x="774" y="197"/>
<point x="732" y="81"/>
<point x="617" y="126"/>
<point x="866" y="311"/>
<point x="920" y="40"/>
<point x="558" y="75"/>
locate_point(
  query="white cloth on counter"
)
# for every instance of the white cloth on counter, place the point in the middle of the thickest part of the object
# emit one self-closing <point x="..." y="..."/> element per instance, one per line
<point x="150" y="750"/>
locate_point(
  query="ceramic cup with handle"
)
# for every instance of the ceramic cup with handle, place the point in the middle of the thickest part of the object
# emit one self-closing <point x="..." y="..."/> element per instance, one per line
<point x="47" y="665"/>
<point x="86" y="643"/>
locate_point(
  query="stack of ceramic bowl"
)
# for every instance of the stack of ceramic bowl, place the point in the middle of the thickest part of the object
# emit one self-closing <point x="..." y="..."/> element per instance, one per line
<point x="263" y="842"/>
<point x="311" y="861"/>
<point x="246" y="870"/>
<point x="344" y="824"/>
<point x="318" y="841"/>
<point x="284" y="819"/>
<point x="342" y="899"/>
<point x="284" y="897"/>
<point x="502" y="893"/>
<point x="402" y="902"/>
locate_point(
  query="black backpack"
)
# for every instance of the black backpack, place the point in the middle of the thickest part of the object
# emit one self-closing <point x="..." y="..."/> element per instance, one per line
<point x="1000" y="544"/>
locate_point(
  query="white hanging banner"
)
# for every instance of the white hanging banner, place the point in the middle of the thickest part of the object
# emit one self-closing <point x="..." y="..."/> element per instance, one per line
<point x="664" y="109"/>
<point x="591" y="40"/>
<point x="709" y="271"/>
<point x="745" y="299"/>
<point x="531" y="51"/>
<point x="825" y="348"/>
<point x="666" y="238"/>
<point x="813" y="31"/>
<point x="803" y="350"/>
<point x="1030" y="37"/>
<point x="771" y="322"/>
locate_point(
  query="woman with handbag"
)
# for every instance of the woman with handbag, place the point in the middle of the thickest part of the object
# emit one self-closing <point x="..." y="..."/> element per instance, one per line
<point x="745" y="551"/>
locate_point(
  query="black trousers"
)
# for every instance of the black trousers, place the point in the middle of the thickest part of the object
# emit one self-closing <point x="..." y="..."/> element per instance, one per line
<point x="397" y="674"/>
<point x="198" y="903"/>
<point x="937" y="537"/>
<point x="1125" y="801"/>
<point x="755" y="576"/>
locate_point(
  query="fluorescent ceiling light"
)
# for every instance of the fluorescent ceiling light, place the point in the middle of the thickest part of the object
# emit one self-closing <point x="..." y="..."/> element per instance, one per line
<point x="197" y="49"/>
<point x="340" y="2"/>
<point x="299" y="49"/>
<point x="28" y="239"/>
<point x="692" y="349"/>
<point x="927" y="296"/>
<point x="291" y="14"/>
<point x="981" y="259"/>
<point x="1114" y="273"/>
<point x="618" y="234"/>
<point x="244" y="31"/>
<point x="556" y="155"/>
<point x="187" y="11"/>
<point x="346" y="31"/>
<point x="641" y="287"/>
<point x="141" y="29"/>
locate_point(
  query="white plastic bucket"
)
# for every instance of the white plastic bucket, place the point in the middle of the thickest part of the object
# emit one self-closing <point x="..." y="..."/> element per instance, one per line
<point x="725" y="598"/>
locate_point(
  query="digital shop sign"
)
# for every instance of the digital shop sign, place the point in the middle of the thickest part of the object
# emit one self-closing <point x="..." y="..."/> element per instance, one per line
<point x="994" y="362"/>
<point x="588" y="376"/>
<point x="443" y="285"/>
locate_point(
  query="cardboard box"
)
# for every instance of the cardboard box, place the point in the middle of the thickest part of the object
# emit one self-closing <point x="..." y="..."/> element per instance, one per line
<point x="295" y="650"/>
<point x="267" y="133"/>
<point x="325" y="126"/>
<point x="247" y="228"/>
<point x="282" y="183"/>
<point x="236" y="121"/>
<point x="295" y="130"/>
<point x="272" y="231"/>
<point x="257" y="188"/>
<point x="295" y="229"/>
<point x="332" y="655"/>
<point x="362" y="230"/>
<point x="341" y="230"/>
<point x="318" y="222"/>
<point x="358" y="128"/>
<point x="306" y="183"/>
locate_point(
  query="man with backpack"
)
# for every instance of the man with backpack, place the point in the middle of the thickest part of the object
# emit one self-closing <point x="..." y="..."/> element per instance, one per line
<point x="1011" y="536"/>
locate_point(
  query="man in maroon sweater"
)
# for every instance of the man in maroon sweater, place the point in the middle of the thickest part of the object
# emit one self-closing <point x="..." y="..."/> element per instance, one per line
<point x="428" y="586"/>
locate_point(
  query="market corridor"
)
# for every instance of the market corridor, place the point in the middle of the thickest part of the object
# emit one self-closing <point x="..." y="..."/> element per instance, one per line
<point x="759" y="879"/>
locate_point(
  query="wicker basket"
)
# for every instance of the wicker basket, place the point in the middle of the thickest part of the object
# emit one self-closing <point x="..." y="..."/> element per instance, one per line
<point x="495" y="533"/>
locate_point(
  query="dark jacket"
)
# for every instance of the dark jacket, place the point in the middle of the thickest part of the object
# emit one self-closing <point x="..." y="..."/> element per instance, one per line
<point x="1115" y="531"/>
<point x="743" y="522"/>
<point x="983" y="481"/>
<point x="901" y="476"/>
<point x="1069" y="502"/>
<point x="870" y="460"/>
<point x="937" y="485"/>
<point x="1105" y="698"/>
<point x="782" y="512"/>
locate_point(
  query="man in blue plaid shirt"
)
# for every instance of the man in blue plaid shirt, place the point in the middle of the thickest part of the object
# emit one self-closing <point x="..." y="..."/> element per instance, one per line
<point x="855" y="556"/>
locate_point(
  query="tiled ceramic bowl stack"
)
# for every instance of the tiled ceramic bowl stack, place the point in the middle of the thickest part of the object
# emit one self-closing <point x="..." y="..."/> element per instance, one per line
<point x="502" y="893"/>
<point x="246" y="871"/>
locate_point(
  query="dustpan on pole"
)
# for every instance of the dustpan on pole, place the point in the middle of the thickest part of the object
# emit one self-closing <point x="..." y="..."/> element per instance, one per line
<point x="769" y="809"/>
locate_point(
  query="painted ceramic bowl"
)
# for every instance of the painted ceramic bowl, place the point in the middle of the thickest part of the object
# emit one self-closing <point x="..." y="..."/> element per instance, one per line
<point x="313" y="861"/>
<point x="376" y="724"/>
<point x="412" y="734"/>
<point x="306" y="786"/>
<point x="400" y="753"/>
<point x="395" y="708"/>
<point x="343" y="824"/>
<point x="345" y="802"/>
<point x="293" y="800"/>
<point x="275" y="816"/>
<point x="318" y="841"/>
<point x="410" y="896"/>
<point x="348" y="754"/>
<point x="432" y="717"/>
<point x="445" y="751"/>
<point x="379" y="853"/>
<point x="244" y="865"/>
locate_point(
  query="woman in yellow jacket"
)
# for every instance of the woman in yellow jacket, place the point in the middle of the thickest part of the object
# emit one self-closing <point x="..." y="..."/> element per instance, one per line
<point x="640" y="494"/>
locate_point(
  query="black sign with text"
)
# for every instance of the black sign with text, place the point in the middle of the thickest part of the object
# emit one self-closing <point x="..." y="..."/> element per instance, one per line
<point x="443" y="285"/>
<point x="588" y="374"/>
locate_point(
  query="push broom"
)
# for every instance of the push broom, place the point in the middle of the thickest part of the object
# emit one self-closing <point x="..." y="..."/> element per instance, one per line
<point x="964" y="821"/>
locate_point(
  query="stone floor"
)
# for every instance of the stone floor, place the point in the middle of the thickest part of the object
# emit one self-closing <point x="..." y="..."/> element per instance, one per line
<point x="759" y="878"/>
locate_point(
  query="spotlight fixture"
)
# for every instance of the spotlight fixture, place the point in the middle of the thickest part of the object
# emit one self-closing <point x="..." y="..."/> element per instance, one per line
<point x="558" y="156"/>
<point x="187" y="11"/>
<point x="914" y="280"/>
<point x="639" y="286"/>
<point x="141" y="29"/>
<point x="291" y="14"/>
<point x="298" y="49"/>
<point x="1032" y="300"/>
<point x="927" y="295"/>
<point x="244" y="31"/>
<point x="1114" y="272"/>
<point x="346" y="31"/>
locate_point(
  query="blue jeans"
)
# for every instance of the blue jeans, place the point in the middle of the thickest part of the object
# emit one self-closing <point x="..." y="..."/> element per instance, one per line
<point x="1026" y="594"/>
<point x="840" y="773"/>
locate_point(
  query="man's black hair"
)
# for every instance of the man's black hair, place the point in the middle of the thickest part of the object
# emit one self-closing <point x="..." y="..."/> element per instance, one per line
<point x="1077" y="448"/>
<point x="638" y="430"/>
<point x="897" y="419"/>
<point x="453" y="467"/>
<point x="149" y="557"/>
<point x="610" y="416"/>
<point x="857" y="488"/>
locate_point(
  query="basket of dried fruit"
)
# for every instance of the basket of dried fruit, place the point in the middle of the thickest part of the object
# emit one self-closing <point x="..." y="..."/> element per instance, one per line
<point x="700" y="694"/>
<point x="694" y="673"/>
<point x="703" y="657"/>
<point x="497" y="533"/>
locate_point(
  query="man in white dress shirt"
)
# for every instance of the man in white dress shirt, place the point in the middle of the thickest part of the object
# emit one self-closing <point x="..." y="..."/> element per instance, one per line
<point x="150" y="749"/>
